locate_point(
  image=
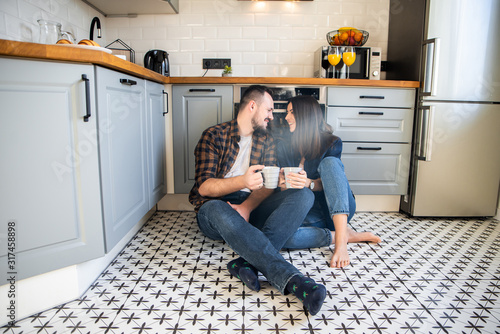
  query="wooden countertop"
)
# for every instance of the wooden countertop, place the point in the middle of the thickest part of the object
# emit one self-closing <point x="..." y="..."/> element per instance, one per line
<point x="97" y="57"/>
<point x="79" y="55"/>
<point x="294" y="81"/>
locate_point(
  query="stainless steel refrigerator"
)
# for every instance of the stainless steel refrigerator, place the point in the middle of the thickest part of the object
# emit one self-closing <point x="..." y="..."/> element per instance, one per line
<point x="453" y="48"/>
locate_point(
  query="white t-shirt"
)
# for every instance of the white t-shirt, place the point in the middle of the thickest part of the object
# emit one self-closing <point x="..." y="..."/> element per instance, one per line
<point x="242" y="161"/>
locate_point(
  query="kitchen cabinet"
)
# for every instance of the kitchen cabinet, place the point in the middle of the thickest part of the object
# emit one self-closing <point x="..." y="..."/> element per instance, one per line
<point x="155" y="131"/>
<point x="376" y="126"/>
<point x="49" y="175"/>
<point x="83" y="151"/>
<point x="195" y="108"/>
<point x="131" y="142"/>
<point x="130" y="7"/>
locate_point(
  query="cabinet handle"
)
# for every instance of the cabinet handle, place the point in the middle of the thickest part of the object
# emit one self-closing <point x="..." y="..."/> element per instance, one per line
<point x="369" y="148"/>
<point x="87" y="97"/>
<point x="128" y="82"/>
<point x="165" y="101"/>
<point x="202" y="90"/>
<point x="378" y="113"/>
<point x="372" y="97"/>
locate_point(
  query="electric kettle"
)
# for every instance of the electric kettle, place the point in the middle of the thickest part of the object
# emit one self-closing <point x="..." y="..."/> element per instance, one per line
<point x="157" y="60"/>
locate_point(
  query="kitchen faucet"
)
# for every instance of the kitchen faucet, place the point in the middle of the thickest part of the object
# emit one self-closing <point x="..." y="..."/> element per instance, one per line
<point x="95" y="21"/>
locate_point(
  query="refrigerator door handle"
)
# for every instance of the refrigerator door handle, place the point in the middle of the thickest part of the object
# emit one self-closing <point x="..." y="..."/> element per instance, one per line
<point x="430" y="49"/>
<point x="425" y="134"/>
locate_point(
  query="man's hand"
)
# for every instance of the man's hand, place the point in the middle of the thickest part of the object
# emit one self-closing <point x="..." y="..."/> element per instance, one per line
<point x="252" y="179"/>
<point x="218" y="187"/>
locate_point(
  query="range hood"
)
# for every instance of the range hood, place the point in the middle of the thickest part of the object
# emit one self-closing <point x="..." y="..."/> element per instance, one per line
<point x="131" y="8"/>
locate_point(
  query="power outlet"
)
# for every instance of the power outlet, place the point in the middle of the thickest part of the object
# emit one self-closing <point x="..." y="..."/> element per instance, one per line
<point x="216" y="63"/>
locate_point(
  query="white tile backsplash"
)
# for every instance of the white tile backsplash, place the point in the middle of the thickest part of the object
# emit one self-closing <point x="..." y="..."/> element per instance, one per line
<point x="204" y="32"/>
<point x="21" y="18"/>
<point x="9" y="7"/>
<point x="255" y="32"/>
<point x="267" y="38"/>
<point x="254" y="58"/>
<point x="227" y="33"/>
<point x="216" y="45"/>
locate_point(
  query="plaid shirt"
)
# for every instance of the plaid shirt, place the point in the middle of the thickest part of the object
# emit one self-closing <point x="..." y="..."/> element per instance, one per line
<point x="217" y="150"/>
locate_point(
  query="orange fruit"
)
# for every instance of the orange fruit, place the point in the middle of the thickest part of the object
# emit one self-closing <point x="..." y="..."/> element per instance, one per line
<point x="351" y="33"/>
<point x="88" y="42"/>
<point x="358" y="36"/>
<point x="63" y="41"/>
<point x="336" y="40"/>
<point x="344" y="36"/>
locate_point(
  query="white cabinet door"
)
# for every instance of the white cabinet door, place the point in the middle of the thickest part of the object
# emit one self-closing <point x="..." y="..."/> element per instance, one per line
<point x="371" y="97"/>
<point x="156" y="141"/>
<point x="123" y="152"/>
<point x="376" y="168"/>
<point x="195" y="109"/>
<point x="49" y="173"/>
<point x="376" y="126"/>
<point x="389" y="125"/>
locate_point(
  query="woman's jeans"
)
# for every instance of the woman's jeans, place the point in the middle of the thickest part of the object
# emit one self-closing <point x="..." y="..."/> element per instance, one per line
<point x="259" y="242"/>
<point x="336" y="198"/>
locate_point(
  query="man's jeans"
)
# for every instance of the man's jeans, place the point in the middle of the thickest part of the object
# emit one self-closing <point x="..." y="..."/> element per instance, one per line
<point x="336" y="198"/>
<point x="259" y="242"/>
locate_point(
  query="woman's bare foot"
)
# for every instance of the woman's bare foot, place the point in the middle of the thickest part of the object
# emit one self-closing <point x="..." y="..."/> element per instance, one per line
<point x="340" y="257"/>
<point x="353" y="236"/>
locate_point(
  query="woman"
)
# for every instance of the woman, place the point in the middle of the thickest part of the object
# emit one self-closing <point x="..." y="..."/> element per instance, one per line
<point x="313" y="147"/>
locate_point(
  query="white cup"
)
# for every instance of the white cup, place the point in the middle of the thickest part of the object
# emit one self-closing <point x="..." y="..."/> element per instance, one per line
<point x="288" y="170"/>
<point x="271" y="177"/>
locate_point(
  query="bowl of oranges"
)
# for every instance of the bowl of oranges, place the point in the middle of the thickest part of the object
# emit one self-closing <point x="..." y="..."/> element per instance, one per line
<point x="347" y="36"/>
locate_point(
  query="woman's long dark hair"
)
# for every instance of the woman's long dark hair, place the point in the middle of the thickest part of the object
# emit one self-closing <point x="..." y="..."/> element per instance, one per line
<point x="312" y="135"/>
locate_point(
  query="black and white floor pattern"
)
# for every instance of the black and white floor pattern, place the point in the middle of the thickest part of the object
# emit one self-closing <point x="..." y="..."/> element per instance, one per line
<point x="427" y="276"/>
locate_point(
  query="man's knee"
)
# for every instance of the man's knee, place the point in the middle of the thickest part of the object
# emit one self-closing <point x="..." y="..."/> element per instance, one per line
<point x="210" y="217"/>
<point x="213" y="206"/>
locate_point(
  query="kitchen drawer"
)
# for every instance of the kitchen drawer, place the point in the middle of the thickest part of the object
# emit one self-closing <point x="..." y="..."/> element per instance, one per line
<point x="371" y="124"/>
<point x="371" y="97"/>
<point x="377" y="169"/>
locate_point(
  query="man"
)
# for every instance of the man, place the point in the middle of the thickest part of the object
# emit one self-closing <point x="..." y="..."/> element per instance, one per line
<point x="228" y="196"/>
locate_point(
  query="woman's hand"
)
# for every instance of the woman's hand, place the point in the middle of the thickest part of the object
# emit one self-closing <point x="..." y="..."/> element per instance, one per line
<point x="281" y="181"/>
<point x="296" y="180"/>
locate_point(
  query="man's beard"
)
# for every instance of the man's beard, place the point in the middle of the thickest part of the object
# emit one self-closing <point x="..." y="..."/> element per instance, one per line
<point x="257" y="128"/>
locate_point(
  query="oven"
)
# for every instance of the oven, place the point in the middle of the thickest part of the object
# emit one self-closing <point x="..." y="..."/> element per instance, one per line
<point x="281" y="95"/>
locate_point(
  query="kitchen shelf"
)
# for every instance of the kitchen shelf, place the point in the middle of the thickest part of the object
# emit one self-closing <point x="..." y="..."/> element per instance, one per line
<point x="131" y="8"/>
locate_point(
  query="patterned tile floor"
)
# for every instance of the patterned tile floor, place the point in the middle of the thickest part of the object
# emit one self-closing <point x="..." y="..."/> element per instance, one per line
<point x="427" y="276"/>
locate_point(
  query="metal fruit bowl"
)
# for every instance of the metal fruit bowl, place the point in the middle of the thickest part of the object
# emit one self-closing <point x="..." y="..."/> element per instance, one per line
<point x="347" y="37"/>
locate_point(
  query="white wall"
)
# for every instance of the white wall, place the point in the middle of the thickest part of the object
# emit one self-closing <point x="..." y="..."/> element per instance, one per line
<point x="269" y="39"/>
<point x="18" y="18"/>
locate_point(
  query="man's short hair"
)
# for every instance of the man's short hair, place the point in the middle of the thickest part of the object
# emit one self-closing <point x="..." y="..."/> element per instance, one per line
<point x="254" y="93"/>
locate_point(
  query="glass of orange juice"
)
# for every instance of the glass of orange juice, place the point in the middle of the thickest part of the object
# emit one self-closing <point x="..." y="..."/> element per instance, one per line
<point x="334" y="55"/>
<point x="349" y="56"/>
